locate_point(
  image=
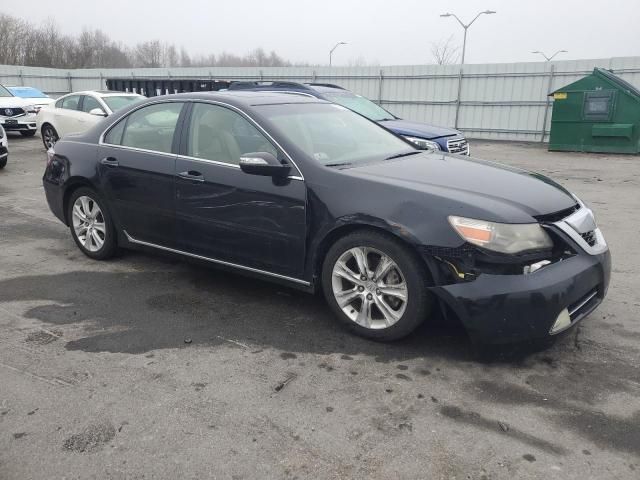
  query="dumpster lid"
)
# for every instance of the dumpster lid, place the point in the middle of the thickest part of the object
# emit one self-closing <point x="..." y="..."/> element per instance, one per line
<point x="610" y="78"/>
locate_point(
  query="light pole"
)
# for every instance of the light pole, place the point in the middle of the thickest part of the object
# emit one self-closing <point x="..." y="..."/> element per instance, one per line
<point x="551" y="57"/>
<point x="331" y="51"/>
<point x="466" y="27"/>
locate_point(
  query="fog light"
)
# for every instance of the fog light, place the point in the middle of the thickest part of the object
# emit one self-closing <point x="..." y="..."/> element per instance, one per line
<point x="563" y="321"/>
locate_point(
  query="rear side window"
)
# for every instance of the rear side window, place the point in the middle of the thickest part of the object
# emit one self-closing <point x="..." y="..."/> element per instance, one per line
<point x="150" y="128"/>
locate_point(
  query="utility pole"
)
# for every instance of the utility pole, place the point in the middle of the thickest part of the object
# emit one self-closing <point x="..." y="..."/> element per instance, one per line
<point x="548" y="59"/>
<point x="332" y="50"/>
<point x="466" y="27"/>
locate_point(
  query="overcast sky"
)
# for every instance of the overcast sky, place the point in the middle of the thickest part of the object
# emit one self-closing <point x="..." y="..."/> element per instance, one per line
<point x="389" y="32"/>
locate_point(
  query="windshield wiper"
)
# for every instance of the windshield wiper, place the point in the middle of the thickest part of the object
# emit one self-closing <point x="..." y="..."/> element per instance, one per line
<point x="403" y="154"/>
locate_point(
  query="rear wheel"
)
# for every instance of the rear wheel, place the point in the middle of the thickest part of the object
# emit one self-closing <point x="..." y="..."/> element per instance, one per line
<point x="28" y="133"/>
<point x="91" y="225"/>
<point x="376" y="285"/>
<point x="49" y="136"/>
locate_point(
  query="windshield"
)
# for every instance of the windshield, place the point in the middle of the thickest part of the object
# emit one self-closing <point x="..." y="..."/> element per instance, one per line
<point x="115" y="103"/>
<point x="27" y="92"/>
<point x="361" y="105"/>
<point x="332" y="134"/>
<point x="4" y="92"/>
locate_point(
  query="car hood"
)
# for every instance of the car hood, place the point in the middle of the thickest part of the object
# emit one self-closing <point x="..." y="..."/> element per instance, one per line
<point x="8" y="102"/>
<point x="472" y="187"/>
<point x="417" y="129"/>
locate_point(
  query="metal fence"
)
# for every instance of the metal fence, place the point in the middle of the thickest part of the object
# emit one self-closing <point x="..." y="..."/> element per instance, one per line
<point x="506" y="101"/>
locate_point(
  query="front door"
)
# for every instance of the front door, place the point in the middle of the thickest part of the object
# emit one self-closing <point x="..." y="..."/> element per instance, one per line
<point x="136" y="170"/>
<point x="226" y="214"/>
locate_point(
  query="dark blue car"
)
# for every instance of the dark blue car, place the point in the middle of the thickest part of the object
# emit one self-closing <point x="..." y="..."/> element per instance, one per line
<point x="424" y="136"/>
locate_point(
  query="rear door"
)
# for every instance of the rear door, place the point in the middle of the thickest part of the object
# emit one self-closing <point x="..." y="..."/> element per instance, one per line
<point x="228" y="215"/>
<point x="137" y="166"/>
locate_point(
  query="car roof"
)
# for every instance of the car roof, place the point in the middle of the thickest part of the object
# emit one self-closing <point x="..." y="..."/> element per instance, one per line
<point x="104" y="93"/>
<point x="243" y="98"/>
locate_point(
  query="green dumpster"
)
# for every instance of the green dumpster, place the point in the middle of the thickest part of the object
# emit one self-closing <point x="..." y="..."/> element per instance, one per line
<point x="598" y="113"/>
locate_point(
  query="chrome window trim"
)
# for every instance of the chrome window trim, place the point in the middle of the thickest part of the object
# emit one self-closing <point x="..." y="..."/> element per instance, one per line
<point x="214" y="260"/>
<point x="225" y="164"/>
<point x="211" y="102"/>
<point x="142" y="150"/>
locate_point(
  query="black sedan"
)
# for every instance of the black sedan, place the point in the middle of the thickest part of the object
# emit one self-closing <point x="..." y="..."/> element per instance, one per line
<point x="310" y="194"/>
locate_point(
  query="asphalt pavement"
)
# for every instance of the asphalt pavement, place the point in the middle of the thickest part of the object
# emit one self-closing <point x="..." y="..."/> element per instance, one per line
<point x="146" y="366"/>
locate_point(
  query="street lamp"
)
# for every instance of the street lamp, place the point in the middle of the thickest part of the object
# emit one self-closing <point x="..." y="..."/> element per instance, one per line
<point x="464" y="43"/>
<point x="551" y="57"/>
<point x="331" y="51"/>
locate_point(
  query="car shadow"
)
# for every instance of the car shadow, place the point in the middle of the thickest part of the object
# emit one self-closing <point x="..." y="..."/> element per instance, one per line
<point x="170" y="304"/>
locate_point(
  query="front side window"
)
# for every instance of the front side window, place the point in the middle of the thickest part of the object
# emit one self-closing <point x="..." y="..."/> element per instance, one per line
<point x="149" y="128"/>
<point x="70" y="103"/>
<point x="90" y="103"/>
<point x="219" y="134"/>
<point x="361" y="105"/>
<point x="332" y="134"/>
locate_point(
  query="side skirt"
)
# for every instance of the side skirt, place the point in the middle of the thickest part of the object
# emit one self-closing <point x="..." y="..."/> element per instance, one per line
<point x="293" y="282"/>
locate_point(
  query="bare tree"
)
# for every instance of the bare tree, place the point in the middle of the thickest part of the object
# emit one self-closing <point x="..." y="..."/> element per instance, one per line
<point x="23" y="43"/>
<point x="445" y="52"/>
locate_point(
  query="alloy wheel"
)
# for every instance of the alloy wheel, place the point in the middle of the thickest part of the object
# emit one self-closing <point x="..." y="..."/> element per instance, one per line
<point x="49" y="137"/>
<point x="88" y="223"/>
<point x="369" y="287"/>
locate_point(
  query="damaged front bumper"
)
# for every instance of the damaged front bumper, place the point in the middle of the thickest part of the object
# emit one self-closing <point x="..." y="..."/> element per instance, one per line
<point x="539" y="303"/>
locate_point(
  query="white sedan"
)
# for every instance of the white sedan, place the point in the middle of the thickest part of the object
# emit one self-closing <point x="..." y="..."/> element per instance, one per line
<point x="4" y="148"/>
<point x="79" y="111"/>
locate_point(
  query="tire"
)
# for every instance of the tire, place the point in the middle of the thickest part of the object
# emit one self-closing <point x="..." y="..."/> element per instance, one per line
<point x="3" y="162"/>
<point x="87" y="219"/>
<point x="28" y="133"/>
<point x="390" y="317"/>
<point x="49" y="136"/>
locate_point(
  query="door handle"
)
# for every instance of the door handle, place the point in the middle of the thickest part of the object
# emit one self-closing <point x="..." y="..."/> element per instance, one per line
<point x="110" y="162"/>
<point x="192" y="175"/>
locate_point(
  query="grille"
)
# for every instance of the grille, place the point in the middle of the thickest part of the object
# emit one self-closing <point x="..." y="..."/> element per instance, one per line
<point x="11" y="112"/>
<point x="3" y="151"/>
<point x="589" y="237"/>
<point x="458" y="145"/>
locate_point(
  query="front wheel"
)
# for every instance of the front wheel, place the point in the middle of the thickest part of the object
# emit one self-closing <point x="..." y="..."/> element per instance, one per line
<point x="49" y="136"/>
<point x="376" y="285"/>
<point x="28" y="133"/>
<point x="3" y="162"/>
<point x="91" y="225"/>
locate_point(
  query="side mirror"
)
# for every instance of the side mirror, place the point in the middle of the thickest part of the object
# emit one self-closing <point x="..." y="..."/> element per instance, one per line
<point x="98" y="112"/>
<point x="263" y="163"/>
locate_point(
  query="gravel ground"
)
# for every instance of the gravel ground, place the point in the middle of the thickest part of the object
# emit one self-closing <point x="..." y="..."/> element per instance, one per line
<point x="149" y="367"/>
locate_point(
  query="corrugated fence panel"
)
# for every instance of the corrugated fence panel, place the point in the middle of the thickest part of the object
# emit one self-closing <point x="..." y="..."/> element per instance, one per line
<point x="494" y="101"/>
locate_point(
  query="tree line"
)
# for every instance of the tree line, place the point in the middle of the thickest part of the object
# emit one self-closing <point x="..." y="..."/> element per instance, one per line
<point x="24" y="43"/>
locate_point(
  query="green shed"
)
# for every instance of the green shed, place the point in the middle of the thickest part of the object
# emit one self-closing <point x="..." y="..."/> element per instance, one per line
<point x="598" y="113"/>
